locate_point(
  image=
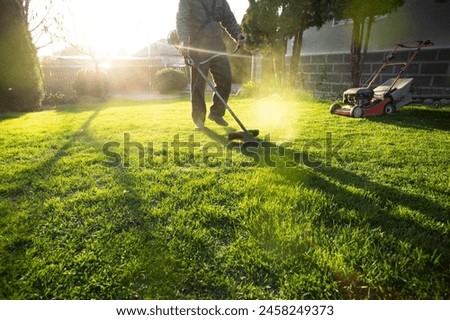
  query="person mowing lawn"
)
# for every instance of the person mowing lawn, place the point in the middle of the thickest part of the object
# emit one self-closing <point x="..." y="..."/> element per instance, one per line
<point x="200" y="25"/>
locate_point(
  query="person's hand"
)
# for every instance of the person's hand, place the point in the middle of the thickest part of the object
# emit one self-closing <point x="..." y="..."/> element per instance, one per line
<point x="242" y="38"/>
<point x="184" y="50"/>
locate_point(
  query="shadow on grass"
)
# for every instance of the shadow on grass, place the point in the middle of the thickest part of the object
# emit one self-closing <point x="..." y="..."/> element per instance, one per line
<point x="92" y="105"/>
<point x="26" y="178"/>
<point x="376" y="207"/>
<point x="396" y="217"/>
<point x="160" y="274"/>
<point x="422" y="118"/>
<point x="11" y="115"/>
<point x="140" y="265"/>
<point x="66" y="108"/>
<point x="266" y="154"/>
<point x="155" y="271"/>
<point x="219" y="138"/>
<point x="24" y="186"/>
<point x="88" y="106"/>
<point x="233" y="145"/>
<point x="99" y="105"/>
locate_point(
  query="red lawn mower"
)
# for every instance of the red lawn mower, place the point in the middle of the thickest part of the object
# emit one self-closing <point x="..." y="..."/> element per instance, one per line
<point x="388" y="97"/>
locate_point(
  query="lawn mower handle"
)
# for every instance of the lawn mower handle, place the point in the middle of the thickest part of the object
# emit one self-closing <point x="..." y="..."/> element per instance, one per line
<point x="422" y="43"/>
<point x="426" y="43"/>
<point x="405" y="65"/>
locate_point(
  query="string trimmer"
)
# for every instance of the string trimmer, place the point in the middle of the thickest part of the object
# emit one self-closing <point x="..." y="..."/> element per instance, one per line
<point x="246" y="136"/>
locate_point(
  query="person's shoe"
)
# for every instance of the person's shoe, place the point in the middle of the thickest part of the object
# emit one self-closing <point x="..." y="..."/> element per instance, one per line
<point x="199" y="124"/>
<point x="219" y="120"/>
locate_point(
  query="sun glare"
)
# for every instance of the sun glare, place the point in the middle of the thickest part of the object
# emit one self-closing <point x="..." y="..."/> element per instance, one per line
<point x="279" y="114"/>
<point x="108" y="27"/>
<point x="111" y="27"/>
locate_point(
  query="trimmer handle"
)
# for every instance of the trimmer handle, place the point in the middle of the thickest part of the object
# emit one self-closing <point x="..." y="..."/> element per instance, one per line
<point x="191" y="63"/>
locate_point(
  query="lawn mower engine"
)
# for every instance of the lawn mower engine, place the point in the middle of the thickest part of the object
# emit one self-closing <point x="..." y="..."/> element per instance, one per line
<point x="360" y="97"/>
<point x="360" y="102"/>
<point x="384" y="99"/>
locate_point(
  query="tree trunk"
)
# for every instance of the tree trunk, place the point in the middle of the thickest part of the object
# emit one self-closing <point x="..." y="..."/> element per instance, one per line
<point x="279" y="62"/>
<point x="366" y="42"/>
<point x="360" y="36"/>
<point x="295" y="57"/>
<point x="268" y="70"/>
<point x="358" y="30"/>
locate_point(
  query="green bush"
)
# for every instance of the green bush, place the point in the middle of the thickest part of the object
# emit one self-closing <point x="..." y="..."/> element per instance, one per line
<point x="21" y="79"/>
<point x="58" y="98"/>
<point x="170" y="80"/>
<point x="90" y="82"/>
<point x="250" y="89"/>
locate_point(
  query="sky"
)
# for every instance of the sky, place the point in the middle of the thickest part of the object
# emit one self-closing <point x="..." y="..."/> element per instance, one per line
<point x="121" y="25"/>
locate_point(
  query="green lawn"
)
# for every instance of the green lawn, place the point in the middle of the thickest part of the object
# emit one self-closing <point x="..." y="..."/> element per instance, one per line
<point x="328" y="208"/>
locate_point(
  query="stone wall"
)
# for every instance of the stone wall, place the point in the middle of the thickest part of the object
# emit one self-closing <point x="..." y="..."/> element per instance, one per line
<point x="328" y="75"/>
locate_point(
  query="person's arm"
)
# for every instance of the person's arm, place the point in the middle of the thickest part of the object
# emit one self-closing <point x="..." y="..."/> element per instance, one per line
<point x="229" y="22"/>
<point x="184" y="21"/>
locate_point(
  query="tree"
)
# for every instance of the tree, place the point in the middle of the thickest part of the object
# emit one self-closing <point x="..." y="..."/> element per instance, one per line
<point x="21" y="80"/>
<point x="362" y="13"/>
<point x="297" y="16"/>
<point x="261" y="23"/>
<point x="270" y="23"/>
<point x="44" y="21"/>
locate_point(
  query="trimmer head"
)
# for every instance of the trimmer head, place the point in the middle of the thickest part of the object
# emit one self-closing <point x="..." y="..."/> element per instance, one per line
<point x="243" y="135"/>
<point x="247" y="137"/>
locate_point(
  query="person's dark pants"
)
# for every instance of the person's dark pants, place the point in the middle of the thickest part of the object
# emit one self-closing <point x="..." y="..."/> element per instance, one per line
<point x="221" y="73"/>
